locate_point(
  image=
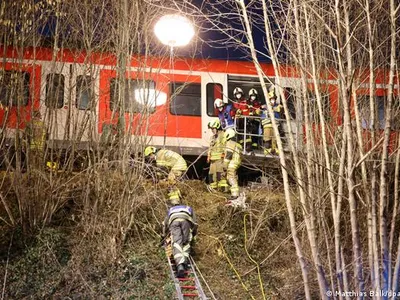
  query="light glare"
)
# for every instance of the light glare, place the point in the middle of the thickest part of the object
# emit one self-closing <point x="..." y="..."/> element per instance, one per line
<point x="150" y="97"/>
<point x="174" y="30"/>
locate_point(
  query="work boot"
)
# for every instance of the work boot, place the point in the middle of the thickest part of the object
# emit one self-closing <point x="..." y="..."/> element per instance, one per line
<point x="180" y="271"/>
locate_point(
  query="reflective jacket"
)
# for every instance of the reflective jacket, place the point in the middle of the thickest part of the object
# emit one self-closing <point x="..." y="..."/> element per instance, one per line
<point x="180" y="213"/>
<point x="171" y="160"/>
<point x="266" y="120"/>
<point x="217" y="146"/>
<point x="36" y="131"/>
<point x="233" y="153"/>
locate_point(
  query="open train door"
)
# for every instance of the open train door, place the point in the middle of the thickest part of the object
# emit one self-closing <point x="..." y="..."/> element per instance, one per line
<point x="214" y="85"/>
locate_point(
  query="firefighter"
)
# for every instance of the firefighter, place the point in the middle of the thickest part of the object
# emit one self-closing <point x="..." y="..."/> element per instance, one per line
<point x="36" y="136"/>
<point x="180" y="223"/>
<point x="215" y="156"/>
<point x="171" y="162"/>
<point x="254" y="123"/>
<point x="232" y="161"/>
<point x="226" y="113"/>
<point x="269" y="139"/>
<point x="242" y="110"/>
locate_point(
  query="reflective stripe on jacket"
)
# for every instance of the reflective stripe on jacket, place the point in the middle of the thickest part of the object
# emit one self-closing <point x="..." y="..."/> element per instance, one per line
<point x="180" y="212"/>
<point x="171" y="160"/>
<point x="235" y="149"/>
<point x="217" y="146"/>
<point x="37" y="134"/>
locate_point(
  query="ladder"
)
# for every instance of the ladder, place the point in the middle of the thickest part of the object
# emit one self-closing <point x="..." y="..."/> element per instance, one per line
<point x="188" y="287"/>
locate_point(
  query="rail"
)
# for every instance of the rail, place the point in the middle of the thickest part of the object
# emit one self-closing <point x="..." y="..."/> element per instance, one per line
<point x="188" y="287"/>
<point x="245" y="134"/>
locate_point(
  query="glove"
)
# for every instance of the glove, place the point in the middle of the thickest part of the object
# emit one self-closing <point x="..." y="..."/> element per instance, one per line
<point x="258" y="111"/>
<point x="238" y="112"/>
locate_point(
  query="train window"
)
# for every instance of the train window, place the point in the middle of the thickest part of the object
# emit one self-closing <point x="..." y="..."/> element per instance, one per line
<point x="186" y="99"/>
<point x="291" y="102"/>
<point x="214" y="90"/>
<point x="14" y="88"/>
<point x="133" y="100"/>
<point x="54" y="91"/>
<point x="84" y="92"/>
<point x="380" y="105"/>
<point x="313" y="107"/>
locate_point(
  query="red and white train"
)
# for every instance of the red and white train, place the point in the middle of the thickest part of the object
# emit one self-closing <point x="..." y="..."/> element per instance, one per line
<point x="78" y="95"/>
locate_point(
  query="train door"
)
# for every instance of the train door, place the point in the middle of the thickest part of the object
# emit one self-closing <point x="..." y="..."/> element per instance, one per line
<point x="214" y="85"/>
<point x="84" y="92"/>
<point x="55" y="102"/>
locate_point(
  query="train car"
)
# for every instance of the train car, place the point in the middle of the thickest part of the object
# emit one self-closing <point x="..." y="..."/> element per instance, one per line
<point x="85" y="102"/>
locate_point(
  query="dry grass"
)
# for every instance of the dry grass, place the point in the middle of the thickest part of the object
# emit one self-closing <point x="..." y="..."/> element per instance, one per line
<point x="102" y="242"/>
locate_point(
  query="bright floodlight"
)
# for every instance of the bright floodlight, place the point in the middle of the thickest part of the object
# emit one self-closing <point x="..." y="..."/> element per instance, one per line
<point x="150" y="97"/>
<point x="174" y="30"/>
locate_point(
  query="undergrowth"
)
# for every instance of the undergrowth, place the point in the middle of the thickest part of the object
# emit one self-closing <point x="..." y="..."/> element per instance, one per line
<point x="103" y="242"/>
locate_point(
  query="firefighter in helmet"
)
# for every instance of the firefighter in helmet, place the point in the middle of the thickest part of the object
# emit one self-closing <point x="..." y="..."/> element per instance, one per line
<point x="226" y="113"/>
<point x="269" y="140"/>
<point x="180" y="223"/>
<point x="215" y="156"/>
<point x="171" y="162"/>
<point x="36" y="136"/>
<point x="232" y="161"/>
<point x="254" y="123"/>
<point x="242" y="109"/>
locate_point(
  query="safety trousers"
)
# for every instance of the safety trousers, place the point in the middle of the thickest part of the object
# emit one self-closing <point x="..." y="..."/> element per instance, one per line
<point x="181" y="236"/>
<point x="269" y="138"/>
<point x="217" y="176"/>
<point x="231" y="175"/>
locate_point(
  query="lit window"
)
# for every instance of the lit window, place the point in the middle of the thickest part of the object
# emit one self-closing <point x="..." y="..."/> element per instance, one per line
<point x="137" y="95"/>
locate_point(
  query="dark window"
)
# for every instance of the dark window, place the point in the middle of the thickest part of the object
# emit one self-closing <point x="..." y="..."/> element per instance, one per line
<point x="186" y="99"/>
<point x="137" y="95"/>
<point x="313" y="107"/>
<point x="84" y="92"/>
<point x="291" y="102"/>
<point x="214" y="91"/>
<point x="380" y="105"/>
<point x="54" y="91"/>
<point x="14" y="88"/>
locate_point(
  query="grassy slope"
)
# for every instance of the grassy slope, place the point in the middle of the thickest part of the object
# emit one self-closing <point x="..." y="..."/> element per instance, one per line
<point x="65" y="259"/>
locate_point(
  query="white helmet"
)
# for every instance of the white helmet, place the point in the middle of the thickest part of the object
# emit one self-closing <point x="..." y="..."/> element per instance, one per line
<point x="237" y="90"/>
<point x="218" y="103"/>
